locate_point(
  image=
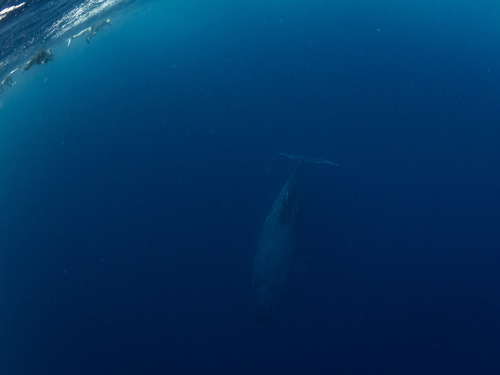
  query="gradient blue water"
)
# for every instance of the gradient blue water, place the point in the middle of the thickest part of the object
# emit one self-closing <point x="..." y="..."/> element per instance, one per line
<point x="137" y="172"/>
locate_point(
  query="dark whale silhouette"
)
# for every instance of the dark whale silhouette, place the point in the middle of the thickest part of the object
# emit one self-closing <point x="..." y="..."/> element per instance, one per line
<point x="274" y="257"/>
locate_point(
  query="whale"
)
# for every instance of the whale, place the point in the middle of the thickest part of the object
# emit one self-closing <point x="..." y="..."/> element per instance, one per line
<point x="277" y="240"/>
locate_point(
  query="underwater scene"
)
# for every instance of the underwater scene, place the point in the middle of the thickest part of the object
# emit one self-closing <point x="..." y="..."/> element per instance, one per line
<point x="249" y="187"/>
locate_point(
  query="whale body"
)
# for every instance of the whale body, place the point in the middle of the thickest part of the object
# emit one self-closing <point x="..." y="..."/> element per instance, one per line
<point x="274" y="256"/>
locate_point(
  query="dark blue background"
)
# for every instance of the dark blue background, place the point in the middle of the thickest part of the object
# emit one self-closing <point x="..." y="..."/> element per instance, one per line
<point x="137" y="172"/>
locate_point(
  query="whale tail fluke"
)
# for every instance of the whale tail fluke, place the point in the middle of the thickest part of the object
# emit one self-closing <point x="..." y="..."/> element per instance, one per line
<point x="309" y="160"/>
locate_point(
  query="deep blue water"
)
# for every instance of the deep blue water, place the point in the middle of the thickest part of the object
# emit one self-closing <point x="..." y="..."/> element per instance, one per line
<point x="136" y="173"/>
